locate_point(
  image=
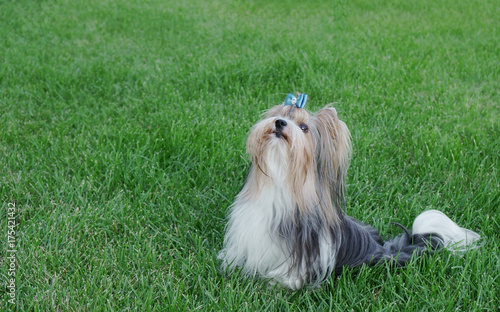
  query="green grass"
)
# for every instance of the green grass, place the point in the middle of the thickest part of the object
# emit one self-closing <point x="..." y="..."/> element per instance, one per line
<point x="123" y="128"/>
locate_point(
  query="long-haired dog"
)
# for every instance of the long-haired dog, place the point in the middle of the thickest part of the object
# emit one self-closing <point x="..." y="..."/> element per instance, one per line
<point x="287" y="225"/>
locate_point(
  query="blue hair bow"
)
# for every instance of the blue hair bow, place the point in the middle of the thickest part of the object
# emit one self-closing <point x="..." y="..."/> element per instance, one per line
<point x="299" y="101"/>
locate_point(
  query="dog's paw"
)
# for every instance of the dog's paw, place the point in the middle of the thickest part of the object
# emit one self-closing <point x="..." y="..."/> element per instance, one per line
<point x="284" y="278"/>
<point x="292" y="282"/>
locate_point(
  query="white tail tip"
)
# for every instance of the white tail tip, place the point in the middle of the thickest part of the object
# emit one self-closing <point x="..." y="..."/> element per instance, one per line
<point x="455" y="238"/>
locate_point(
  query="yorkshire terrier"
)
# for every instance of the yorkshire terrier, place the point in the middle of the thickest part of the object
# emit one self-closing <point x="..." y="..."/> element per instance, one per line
<point x="287" y="224"/>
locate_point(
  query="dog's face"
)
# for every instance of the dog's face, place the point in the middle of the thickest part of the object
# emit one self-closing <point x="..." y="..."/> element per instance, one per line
<point x="282" y="142"/>
<point x="307" y="152"/>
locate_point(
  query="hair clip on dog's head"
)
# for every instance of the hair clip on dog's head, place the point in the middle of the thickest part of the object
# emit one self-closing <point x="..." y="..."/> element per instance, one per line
<point x="299" y="101"/>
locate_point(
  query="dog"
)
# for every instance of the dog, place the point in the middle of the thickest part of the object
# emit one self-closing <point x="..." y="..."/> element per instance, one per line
<point x="287" y="225"/>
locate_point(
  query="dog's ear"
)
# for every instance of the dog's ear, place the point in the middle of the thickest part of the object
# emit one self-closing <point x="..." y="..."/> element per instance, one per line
<point x="333" y="151"/>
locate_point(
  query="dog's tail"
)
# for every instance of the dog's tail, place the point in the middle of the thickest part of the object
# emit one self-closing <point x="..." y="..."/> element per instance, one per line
<point x="453" y="237"/>
<point x="432" y="230"/>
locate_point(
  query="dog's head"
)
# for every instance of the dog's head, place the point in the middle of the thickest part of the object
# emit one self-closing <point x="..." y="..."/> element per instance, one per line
<point x="309" y="153"/>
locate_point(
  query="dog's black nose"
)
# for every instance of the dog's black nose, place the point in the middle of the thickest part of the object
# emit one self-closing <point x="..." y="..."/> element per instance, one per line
<point x="280" y="123"/>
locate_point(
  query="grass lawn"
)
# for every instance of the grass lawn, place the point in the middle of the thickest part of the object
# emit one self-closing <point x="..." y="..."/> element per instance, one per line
<point x="123" y="128"/>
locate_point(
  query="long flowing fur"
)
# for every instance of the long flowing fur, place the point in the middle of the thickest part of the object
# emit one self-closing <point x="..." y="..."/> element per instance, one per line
<point x="287" y="225"/>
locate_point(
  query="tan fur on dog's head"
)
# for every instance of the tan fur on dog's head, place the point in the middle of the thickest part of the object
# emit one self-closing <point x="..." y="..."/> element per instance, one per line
<point x="308" y="153"/>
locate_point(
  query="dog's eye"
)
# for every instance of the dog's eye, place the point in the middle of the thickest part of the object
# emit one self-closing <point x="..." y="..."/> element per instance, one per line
<point x="304" y="127"/>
